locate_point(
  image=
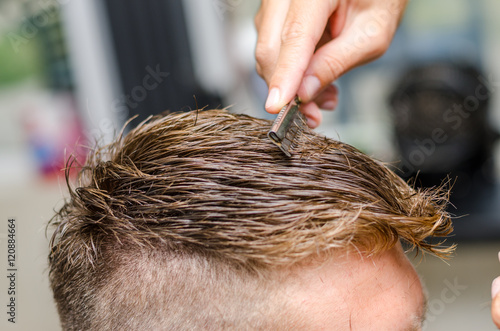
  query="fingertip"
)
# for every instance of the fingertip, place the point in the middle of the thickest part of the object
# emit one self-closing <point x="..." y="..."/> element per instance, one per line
<point x="309" y="88"/>
<point x="329" y="105"/>
<point x="328" y="98"/>
<point x="273" y="101"/>
<point x="313" y="114"/>
<point x="273" y="110"/>
<point x="311" y="123"/>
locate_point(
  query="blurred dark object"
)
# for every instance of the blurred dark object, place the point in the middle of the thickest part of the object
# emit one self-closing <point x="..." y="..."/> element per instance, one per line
<point x="151" y="40"/>
<point x="54" y="50"/>
<point x="442" y="129"/>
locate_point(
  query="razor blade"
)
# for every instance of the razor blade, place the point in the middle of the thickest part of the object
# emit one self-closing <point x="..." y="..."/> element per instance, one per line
<point x="288" y="126"/>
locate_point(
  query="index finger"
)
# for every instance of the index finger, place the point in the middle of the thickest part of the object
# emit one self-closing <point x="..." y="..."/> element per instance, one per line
<point x="269" y="23"/>
<point x="303" y="28"/>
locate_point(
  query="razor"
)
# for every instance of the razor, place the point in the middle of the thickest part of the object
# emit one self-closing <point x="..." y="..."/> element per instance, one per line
<point x="288" y="126"/>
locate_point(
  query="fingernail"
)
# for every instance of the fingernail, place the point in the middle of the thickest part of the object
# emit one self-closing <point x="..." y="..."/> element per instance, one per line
<point x="311" y="86"/>
<point x="273" y="98"/>
<point x="311" y="123"/>
<point x="495" y="287"/>
<point x="330" y="104"/>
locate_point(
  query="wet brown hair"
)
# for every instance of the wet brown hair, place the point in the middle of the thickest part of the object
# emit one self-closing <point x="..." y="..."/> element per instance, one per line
<point x="203" y="202"/>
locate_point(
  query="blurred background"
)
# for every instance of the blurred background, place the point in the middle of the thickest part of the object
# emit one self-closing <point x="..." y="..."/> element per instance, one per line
<point x="73" y="71"/>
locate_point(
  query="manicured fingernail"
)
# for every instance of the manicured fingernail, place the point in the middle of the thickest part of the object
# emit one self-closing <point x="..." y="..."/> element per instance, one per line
<point x="273" y="98"/>
<point x="330" y="104"/>
<point x="311" y="123"/>
<point x="311" y="86"/>
<point x="495" y="287"/>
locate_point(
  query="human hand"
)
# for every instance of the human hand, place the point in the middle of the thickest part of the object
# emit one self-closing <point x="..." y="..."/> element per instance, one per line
<point x="303" y="46"/>
<point x="495" y="295"/>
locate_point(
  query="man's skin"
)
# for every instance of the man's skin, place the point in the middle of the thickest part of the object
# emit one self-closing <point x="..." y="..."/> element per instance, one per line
<point x="382" y="292"/>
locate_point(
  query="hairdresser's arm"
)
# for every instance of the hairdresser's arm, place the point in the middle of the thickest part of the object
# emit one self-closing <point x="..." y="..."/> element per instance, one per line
<point x="303" y="46"/>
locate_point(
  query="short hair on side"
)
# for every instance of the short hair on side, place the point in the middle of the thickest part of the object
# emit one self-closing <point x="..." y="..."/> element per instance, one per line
<point x="182" y="221"/>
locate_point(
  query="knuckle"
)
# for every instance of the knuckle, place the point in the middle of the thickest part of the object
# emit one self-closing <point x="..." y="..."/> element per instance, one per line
<point x="259" y="70"/>
<point x="264" y="60"/>
<point x="257" y="20"/>
<point x="334" y="67"/>
<point x="293" y="32"/>
<point x="263" y="53"/>
<point x="380" y="45"/>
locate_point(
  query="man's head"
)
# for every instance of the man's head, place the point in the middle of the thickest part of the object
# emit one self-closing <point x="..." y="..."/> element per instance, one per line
<point x="197" y="220"/>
